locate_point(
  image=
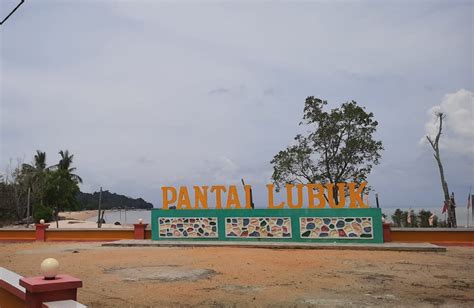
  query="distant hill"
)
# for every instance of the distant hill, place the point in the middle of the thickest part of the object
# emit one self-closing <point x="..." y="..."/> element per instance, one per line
<point x="110" y="201"/>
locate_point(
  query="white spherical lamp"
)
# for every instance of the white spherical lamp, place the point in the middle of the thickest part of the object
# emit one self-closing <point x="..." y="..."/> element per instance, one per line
<point x="41" y="221"/>
<point x="49" y="268"/>
<point x="140" y="221"/>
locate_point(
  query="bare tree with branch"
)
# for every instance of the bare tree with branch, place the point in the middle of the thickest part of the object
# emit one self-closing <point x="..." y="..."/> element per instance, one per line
<point x="449" y="201"/>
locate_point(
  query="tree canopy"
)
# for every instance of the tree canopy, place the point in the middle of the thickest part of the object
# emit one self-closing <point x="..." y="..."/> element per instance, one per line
<point x="339" y="147"/>
<point x="49" y="187"/>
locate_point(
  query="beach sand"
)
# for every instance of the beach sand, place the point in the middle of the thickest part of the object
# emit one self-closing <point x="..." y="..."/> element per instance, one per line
<point x="79" y="220"/>
<point x="74" y="220"/>
<point x="79" y="215"/>
<point x="243" y="277"/>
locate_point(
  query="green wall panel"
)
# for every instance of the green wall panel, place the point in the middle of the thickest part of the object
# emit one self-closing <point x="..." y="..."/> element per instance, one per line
<point x="193" y="225"/>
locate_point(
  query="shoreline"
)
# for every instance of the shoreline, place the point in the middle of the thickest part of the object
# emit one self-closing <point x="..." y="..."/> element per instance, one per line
<point x="77" y="220"/>
<point x="78" y="215"/>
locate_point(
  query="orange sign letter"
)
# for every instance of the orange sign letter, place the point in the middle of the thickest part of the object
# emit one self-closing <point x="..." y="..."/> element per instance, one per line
<point x="289" y="195"/>
<point x="319" y="195"/>
<point x="183" y="198"/>
<point x="356" y="195"/>
<point x="233" y="198"/>
<point x="200" y="196"/>
<point x="166" y="201"/>
<point x="270" y="188"/>
<point x="341" y="195"/>
<point x="218" y="190"/>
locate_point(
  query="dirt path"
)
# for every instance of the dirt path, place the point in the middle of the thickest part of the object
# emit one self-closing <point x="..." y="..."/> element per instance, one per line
<point x="165" y="277"/>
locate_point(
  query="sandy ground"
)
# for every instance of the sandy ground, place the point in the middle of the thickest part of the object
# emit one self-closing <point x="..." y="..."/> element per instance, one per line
<point x="74" y="220"/>
<point x="79" y="220"/>
<point x="244" y="277"/>
<point x="80" y="215"/>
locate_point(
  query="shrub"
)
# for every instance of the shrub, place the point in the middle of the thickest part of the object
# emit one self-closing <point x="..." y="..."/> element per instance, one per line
<point x="43" y="212"/>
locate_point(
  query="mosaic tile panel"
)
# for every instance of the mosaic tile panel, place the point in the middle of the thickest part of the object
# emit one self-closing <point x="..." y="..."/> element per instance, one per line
<point x="336" y="227"/>
<point x="187" y="227"/>
<point x="258" y="227"/>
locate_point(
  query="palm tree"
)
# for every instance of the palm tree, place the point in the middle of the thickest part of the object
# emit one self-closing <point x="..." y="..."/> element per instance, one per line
<point x="34" y="172"/>
<point x="39" y="162"/>
<point x="33" y="176"/>
<point x="65" y="165"/>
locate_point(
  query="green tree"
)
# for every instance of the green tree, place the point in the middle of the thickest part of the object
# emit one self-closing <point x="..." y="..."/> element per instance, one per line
<point x="65" y="164"/>
<point x="62" y="185"/>
<point x="404" y="219"/>
<point x="60" y="191"/>
<point x="409" y="219"/>
<point x="15" y="189"/>
<point x="340" y="147"/>
<point x="39" y="163"/>
<point x="52" y="188"/>
<point x="8" y="204"/>
<point x="33" y="176"/>
<point x="423" y="217"/>
<point x="397" y="218"/>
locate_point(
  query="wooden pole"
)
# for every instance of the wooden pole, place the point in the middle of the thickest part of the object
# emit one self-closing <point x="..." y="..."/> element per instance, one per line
<point x="251" y="195"/>
<point x="467" y="218"/>
<point x="469" y="198"/>
<point x="99" y="222"/>
<point x="28" y="209"/>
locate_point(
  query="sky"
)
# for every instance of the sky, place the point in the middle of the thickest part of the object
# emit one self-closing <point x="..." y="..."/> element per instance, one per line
<point x="148" y="94"/>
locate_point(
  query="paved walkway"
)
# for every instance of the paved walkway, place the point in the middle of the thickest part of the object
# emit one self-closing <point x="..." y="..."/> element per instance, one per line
<point x="421" y="247"/>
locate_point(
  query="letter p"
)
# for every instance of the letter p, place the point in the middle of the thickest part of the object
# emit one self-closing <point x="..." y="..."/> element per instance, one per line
<point x="166" y="201"/>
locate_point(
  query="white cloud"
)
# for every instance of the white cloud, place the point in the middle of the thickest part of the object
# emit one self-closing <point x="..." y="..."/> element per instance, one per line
<point x="458" y="126"/>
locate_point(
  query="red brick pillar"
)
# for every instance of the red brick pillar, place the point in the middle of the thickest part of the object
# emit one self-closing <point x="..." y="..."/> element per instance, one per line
<point x="39" y="289"/>
<point x="41" y="232"/>
<point x="139" y="232"/>
<point x="387" y="232"/>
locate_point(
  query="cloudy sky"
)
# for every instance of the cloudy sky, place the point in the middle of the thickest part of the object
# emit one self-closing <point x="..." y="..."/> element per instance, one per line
<point x="150" y="93"/>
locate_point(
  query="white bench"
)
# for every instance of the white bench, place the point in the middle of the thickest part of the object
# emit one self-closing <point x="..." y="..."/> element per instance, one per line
<point x="63" y="304"/>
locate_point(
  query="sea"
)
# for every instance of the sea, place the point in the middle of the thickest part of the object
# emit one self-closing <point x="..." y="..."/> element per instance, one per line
<point x="132" y="216"/>
<point x="125" y="217"/>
